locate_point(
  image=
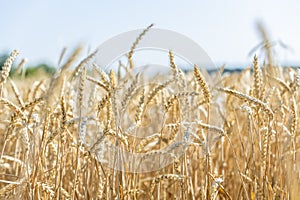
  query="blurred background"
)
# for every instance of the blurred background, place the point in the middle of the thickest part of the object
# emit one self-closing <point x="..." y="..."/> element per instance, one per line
<point x="227" y="30"/>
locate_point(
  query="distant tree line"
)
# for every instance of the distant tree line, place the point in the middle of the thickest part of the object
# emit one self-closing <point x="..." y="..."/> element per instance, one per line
<point x="30" y="70"/>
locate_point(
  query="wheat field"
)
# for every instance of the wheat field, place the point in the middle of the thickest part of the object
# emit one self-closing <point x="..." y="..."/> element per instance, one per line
<point x="55" y="131"/>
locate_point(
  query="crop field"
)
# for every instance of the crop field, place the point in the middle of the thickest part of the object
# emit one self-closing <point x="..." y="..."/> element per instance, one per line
<point x="88" y="133"/>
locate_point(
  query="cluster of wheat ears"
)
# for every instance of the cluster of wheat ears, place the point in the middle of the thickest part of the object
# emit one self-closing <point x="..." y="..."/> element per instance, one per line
<point x="56" y="134"/>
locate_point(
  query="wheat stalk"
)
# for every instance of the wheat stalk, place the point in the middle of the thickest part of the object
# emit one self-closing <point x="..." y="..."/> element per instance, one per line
<point x="21" y="65"/>
<point x="145" y="141"/>
<point x="140" y="109"/>
<point x="202" y="83"/>
<point x="257" y="78"/>
<point x="17" y="93"/>
<point x="136" y="42"/>
<point x="168" y="177"/>
<point x="99" y="83"/>
<point x="84" y="63"/>
<point x="6" y="69"/>
<point x="249" y="99"/>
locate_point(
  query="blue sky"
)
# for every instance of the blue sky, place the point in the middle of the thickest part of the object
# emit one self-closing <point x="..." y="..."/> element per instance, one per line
<point x="225" y="29"/>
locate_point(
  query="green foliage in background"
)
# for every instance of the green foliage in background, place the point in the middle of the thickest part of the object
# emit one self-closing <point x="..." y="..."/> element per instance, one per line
<point x="35" y="70"/>
<point x="3" y="57"/>
<point x="38" y="69"/>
